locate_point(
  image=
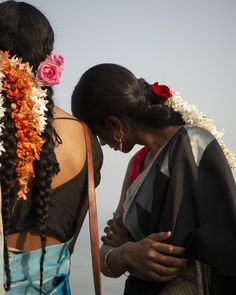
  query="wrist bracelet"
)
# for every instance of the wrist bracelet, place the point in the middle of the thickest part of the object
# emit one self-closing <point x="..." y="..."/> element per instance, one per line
<point x="106" y="262"/>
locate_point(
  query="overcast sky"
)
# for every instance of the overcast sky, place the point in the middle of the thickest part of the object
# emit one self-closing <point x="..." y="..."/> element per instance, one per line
<point x="187" y="44"/>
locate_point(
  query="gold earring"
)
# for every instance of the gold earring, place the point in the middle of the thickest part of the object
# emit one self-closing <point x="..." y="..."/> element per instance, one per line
<point x="119" y="139"/>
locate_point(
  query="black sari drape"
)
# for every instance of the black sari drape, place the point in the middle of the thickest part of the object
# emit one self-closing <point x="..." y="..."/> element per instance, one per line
<point x="193" y="193"/>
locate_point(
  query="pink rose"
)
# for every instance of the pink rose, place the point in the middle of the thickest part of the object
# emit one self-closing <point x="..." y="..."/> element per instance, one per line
<point x="49" y="72"/>
<point x="57" y="59"/>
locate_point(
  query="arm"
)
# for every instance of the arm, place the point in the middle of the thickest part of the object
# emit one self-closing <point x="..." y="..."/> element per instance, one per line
<point x="148" y="259"/>
<point x="105" y="246"/>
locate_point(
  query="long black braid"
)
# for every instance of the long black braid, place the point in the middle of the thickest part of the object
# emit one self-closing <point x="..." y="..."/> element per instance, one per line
<point x="26" y="33"/>
<point x="45" y="169"/>
<point x="7" y="176"/>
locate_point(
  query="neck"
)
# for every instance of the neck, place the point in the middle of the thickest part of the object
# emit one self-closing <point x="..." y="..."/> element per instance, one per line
<point x="154" y="139"/>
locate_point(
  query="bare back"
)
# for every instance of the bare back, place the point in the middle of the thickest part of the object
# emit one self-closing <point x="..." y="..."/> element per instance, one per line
<point x="71" y="156"/>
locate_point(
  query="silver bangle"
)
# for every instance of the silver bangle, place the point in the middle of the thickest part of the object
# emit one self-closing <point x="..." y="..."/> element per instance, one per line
<point x="106" y="262"/>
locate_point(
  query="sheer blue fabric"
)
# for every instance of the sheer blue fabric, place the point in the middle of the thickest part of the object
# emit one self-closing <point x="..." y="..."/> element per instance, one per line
<point x="25" y="271"/>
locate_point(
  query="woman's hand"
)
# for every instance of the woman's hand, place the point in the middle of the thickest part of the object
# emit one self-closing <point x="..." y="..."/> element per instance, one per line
<point x="116" y="232"/>
<point x="152" y="260"/>
<point x="149" y="259"/>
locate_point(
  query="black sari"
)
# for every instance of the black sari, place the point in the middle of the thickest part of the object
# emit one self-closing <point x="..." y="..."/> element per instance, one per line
<point x="191" y="191"/>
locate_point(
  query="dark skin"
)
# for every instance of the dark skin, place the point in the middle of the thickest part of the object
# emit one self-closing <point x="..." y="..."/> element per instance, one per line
<point x="150" y="259"/>
<point x="71" y="163"/>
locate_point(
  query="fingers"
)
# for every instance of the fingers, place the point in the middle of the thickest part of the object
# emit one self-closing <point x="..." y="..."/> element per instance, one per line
<point x="163" y="247"/>
<point x="160" y="273"/>
<point x="168" y="249"/>
<point x="158" y="237"/>
<point x="116" y="224"/>
<point x="118" y="219"/>
<point x="109" y="241"/>
<point x="108" y="231"/>
<point x="164" y="270"/>
<point x="171" y="261"/>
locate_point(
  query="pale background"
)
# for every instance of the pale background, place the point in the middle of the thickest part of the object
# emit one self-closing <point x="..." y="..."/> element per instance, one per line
<point x="187" y="44"/>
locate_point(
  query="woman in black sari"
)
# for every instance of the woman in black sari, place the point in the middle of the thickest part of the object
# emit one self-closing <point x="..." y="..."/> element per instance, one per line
<point x="179" y="189"/>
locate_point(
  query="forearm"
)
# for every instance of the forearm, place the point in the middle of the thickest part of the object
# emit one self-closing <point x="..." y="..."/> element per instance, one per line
<point x="112" y="262"/>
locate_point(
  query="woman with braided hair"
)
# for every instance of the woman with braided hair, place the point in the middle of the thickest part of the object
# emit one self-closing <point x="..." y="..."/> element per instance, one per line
<point x="42" y="158"/>
<point x="178" y="199"/>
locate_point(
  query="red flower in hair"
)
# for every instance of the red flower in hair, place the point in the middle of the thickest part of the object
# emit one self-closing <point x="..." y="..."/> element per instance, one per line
<point x="161" y="91"/>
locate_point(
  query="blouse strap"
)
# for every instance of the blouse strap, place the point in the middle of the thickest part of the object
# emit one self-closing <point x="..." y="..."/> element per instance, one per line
<point x="67" y="118"/>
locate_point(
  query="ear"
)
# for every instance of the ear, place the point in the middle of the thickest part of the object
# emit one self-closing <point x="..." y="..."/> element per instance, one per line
<point x="113" y="123"/>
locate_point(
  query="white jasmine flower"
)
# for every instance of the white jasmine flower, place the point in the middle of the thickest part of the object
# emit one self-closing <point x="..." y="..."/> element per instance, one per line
<point x="192" y="116"/>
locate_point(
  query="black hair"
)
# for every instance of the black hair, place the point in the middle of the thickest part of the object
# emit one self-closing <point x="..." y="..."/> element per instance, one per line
<point x="110" y="89"/>
<point x="26" y="33"/>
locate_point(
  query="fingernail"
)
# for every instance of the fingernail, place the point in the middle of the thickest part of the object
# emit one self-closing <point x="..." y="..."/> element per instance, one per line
<point x="165" y="233"/>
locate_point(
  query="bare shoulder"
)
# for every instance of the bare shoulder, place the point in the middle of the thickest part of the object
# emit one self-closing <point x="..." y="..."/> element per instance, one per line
<point x="60" y="113"/>
<point x="71" y="152"/>
<point x="66" y="124"/>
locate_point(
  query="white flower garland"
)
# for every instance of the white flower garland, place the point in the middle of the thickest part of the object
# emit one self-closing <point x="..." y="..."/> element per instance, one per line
<point x="2" y="113"/>
<point x="40" y="107"/>
<point x="192" y="116"/>
<point x="39" y="96"/>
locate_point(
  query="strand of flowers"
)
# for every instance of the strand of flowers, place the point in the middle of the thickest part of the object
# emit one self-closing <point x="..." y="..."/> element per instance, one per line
<point x="2" y="112"/>
<point x="28" y="105"/>
<point x="40" y="106"/>
<point x="192" y="116"/>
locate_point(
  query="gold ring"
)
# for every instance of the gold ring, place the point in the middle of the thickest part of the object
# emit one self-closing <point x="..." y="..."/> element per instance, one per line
<point x="110" y="233"/>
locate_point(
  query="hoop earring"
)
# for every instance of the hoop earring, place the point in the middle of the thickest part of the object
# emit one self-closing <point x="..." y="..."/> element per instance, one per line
<point x="119" y="139"/>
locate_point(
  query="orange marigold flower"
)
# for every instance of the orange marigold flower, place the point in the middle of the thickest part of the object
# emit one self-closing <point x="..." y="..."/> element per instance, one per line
<point x="18" y="84"/>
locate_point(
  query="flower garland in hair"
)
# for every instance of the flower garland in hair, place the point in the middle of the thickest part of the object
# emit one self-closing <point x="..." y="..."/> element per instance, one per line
<point x="27" y="95"/>
<point x="2" y="112"/>
<point x="191" y="116"/>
